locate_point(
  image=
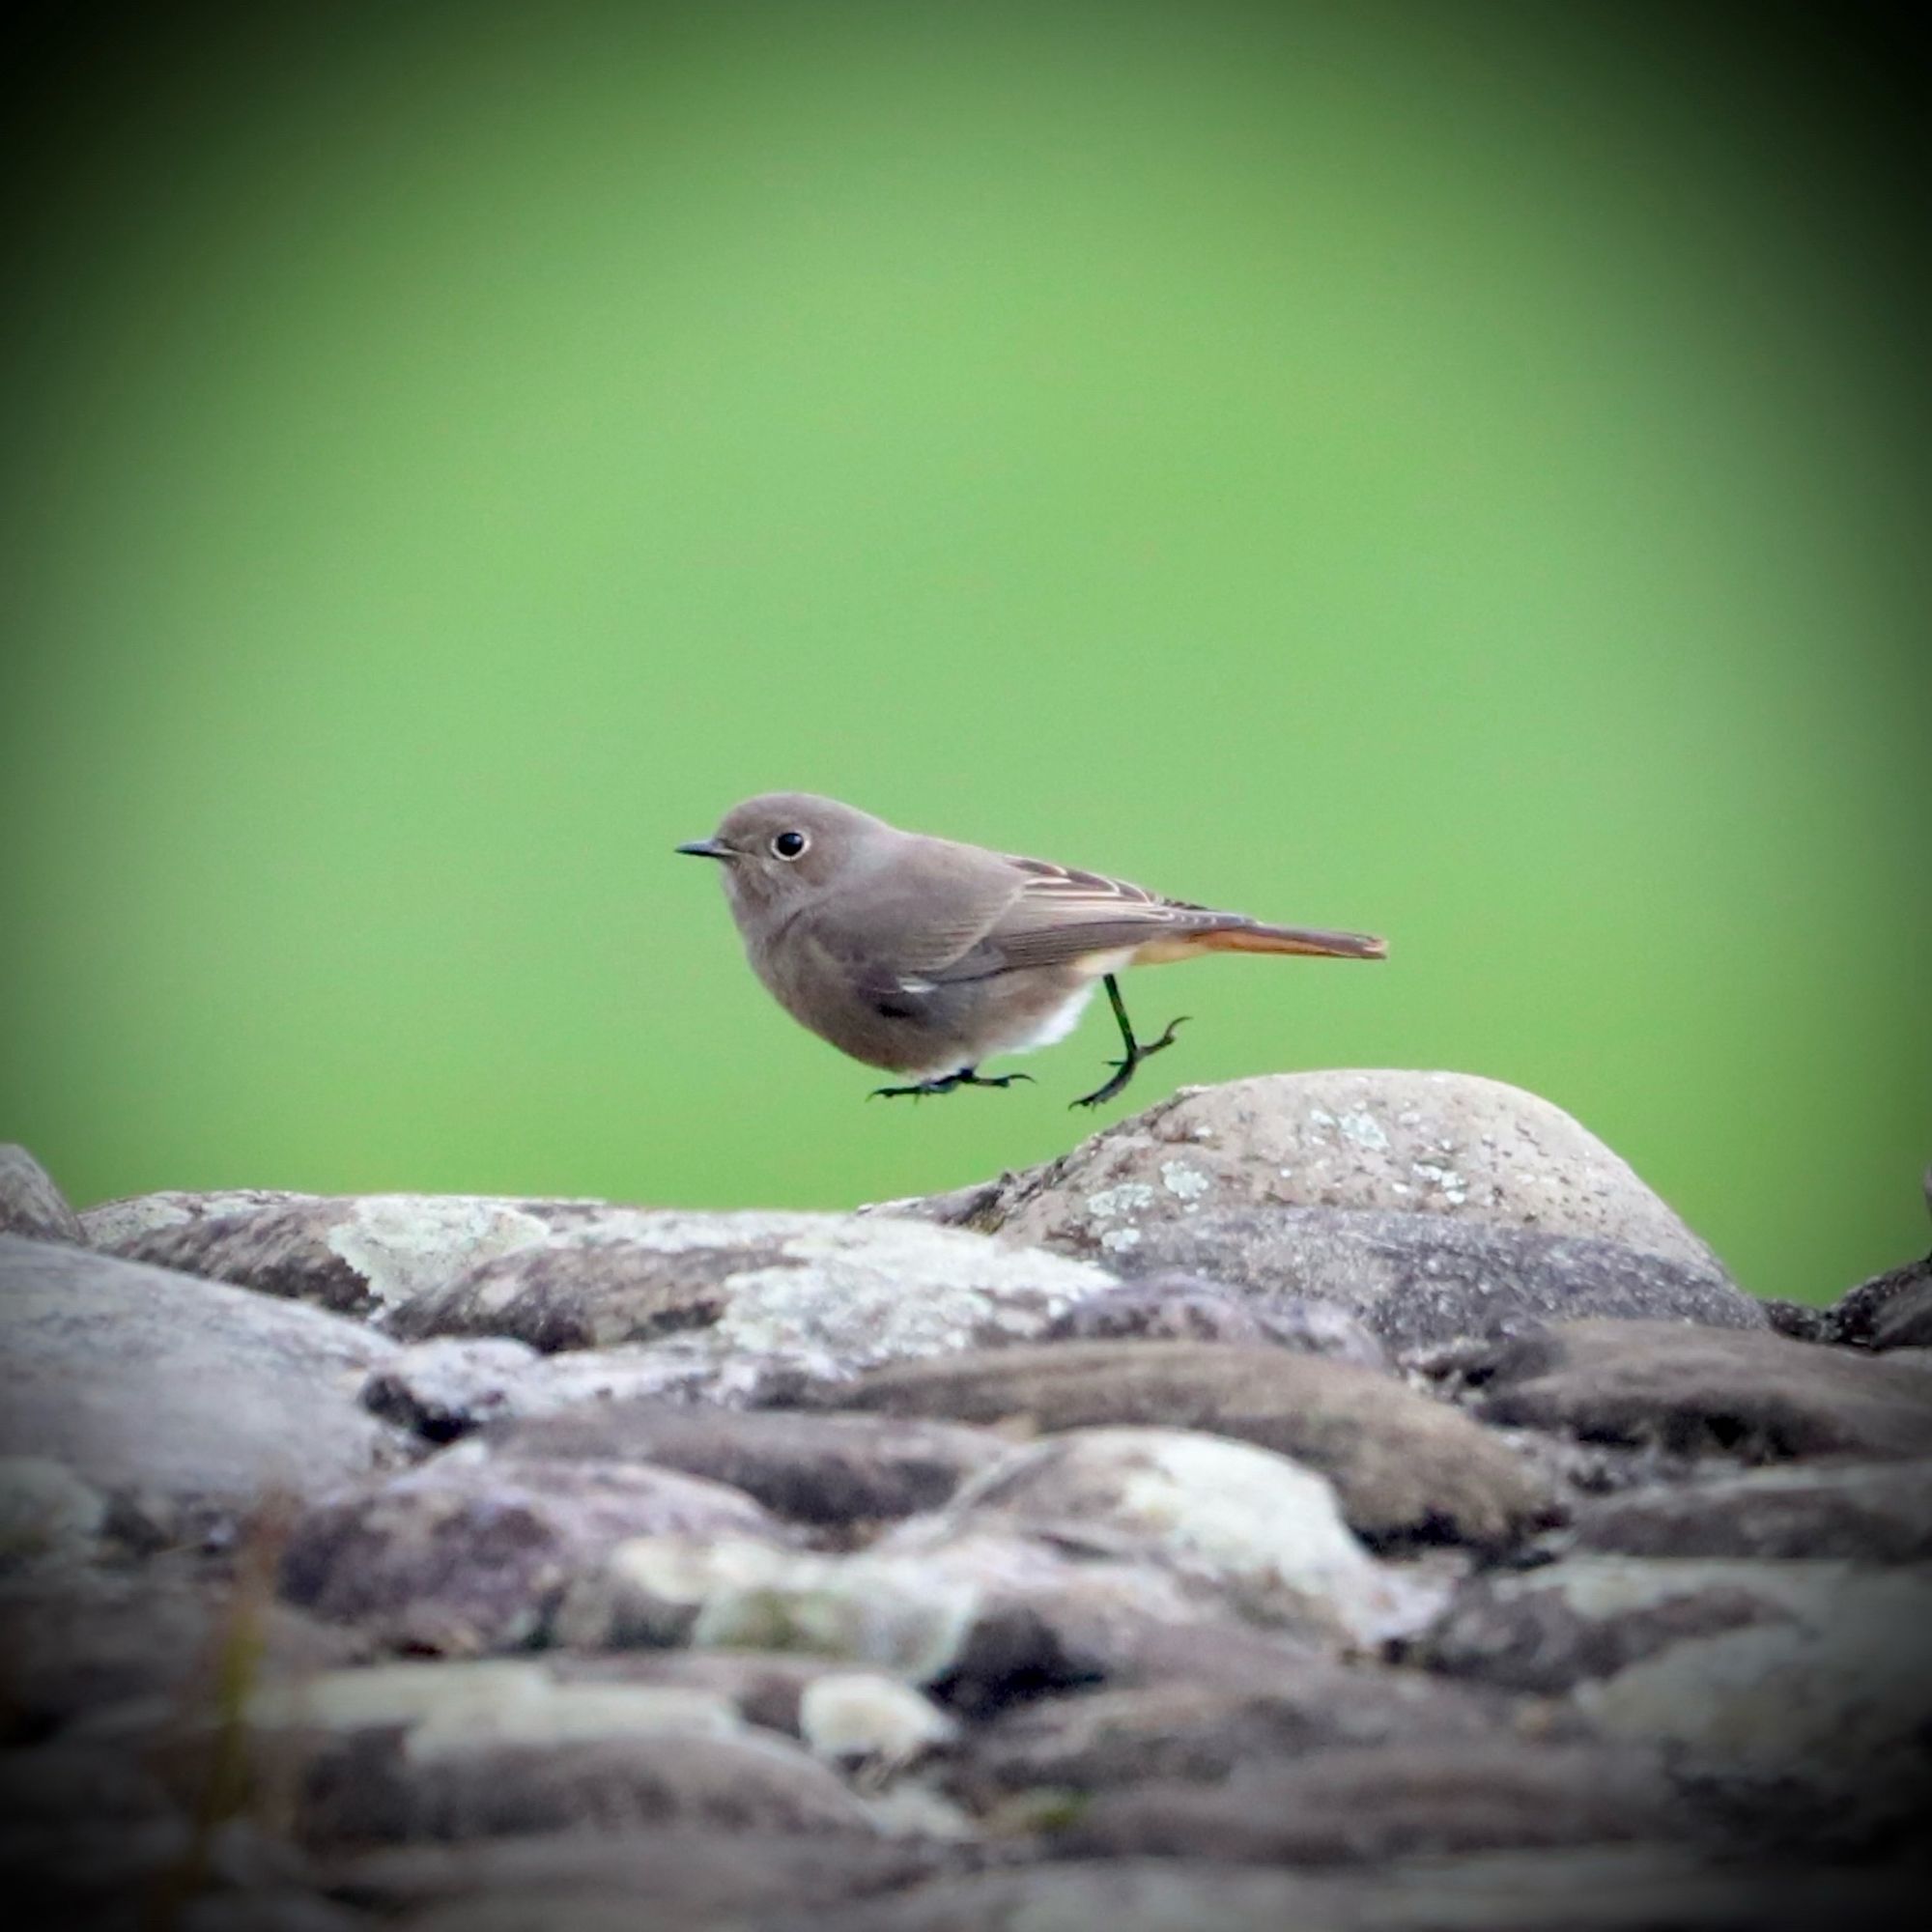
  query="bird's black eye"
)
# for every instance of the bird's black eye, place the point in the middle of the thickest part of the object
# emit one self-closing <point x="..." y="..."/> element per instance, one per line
<point x="789" y="845"/>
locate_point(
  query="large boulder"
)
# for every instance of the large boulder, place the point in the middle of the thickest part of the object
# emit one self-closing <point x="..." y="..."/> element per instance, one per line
<point x="1415" y="1280"/>
<point x="30" y="1203"/>
<point x="827" y="1471"/>
<point x="1181" y="1728"/>
<point x="1444" y="1144"/>
<point x="1705" y="1390"/>
<point x="1401" y="1464"/>
<point x="1367" y="1807"/>
<point x="185" y="1401"/>
<point x="730" y="1300"/>
<point x="1263" y="1529"/>
<point x="470" y="1552"/>
<point x="1871" y="1512"/>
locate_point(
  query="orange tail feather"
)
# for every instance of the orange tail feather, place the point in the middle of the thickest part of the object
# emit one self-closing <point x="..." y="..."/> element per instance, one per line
<point x="1292" y="939"/>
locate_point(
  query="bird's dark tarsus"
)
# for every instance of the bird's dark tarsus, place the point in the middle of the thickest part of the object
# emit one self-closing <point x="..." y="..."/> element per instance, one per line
<point x="1136" y="1050"/>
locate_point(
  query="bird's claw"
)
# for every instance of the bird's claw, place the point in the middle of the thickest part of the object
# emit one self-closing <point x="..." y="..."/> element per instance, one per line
<point x="1137" y="1051"/>
<point x="967" y="1077"/>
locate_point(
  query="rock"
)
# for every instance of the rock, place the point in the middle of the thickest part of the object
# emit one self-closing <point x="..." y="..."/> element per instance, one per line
<point x="1415" y="1280"/>
<point x="855" y="1717"/>
<point x="825" y="1469"/>
<point x="1792" y="1697"/>
<point x="1114" y="1739"/>
<point x="449" y="1709"/>
<point x="1401" y="1464"/>
<point x="1698" y="1390"/>
<point x="1638" y="1888"/>
<point x="832" y="1291"/>
<point x="30" y="1203"/>
<point x="978" y="1616"/>
<point x="1398" y="1800"/>
<point x="1827" y="1701"/>
<point x="1890" y="1311"/>
<point x="1263" y="1530"/>
<point x="446" y="1388"/>
<point x="1877" y="1513"/>
<point x="382" y="1793"/>
<point x="632" y="1881"/>
<point x="1550" y="1629"/>
<point x="470" y="1552"/>
<point x="980" y="1606"/>
<point x="1907" y="1319"/>
<point x="828" y="1293"/>
<point x="116" y="1227"/>
<point x="79" y="1642"/>
<point x="766" y="1689"/>
<point x="185" y="1401"/>
<point x="1443" y="1144"/>
<point x="1173" y="1305"/>
<point x="47" y="1513"/>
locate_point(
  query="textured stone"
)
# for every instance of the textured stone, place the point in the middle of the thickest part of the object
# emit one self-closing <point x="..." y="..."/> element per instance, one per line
<point x="1114" y="1739"/>
<point x="1583" y="1888"/>
<point x="827" y="1291"/>
<point x="822" y="1469"/>
<point x="449" y="1709"/>
<point x="1890" y="1311"/>
<point x="1830" y="1691"/>
<point x="1546" y="1630"/>
<point x="1879" y="1513"/>
<point x="1401" y="1464"/>
<point x="47" y="1513"/>
<point x="470" y="1552"/>
<point x="1173" y="1305"/>
<point x="1445" y="1144"/>
<point x="634" y="1881"/>
<point x="1792" y="1696"/>
<point x="1416" y="1280"/>
<point x="186" y="1399"/>
<point x="378" y="1791"/>
<point x="31" y="1205"/>
<point x="1263" y="1530"/>
<point x="1690" y="1389"/>
<point x="1398" y="1800"/>
<point x="79" y="1641"/>
<point x="974" y="1608"/>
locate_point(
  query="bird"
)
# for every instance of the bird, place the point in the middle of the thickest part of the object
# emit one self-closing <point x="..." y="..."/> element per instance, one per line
<point x="926" y="958"/>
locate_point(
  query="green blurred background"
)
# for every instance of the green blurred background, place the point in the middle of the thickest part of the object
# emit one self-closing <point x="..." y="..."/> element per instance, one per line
<point x="1453" y="470"/>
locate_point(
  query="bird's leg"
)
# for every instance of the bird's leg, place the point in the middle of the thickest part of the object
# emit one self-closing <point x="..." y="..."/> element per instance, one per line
<point x="967" y="1077"/>
<point x="1136" y="1050"/>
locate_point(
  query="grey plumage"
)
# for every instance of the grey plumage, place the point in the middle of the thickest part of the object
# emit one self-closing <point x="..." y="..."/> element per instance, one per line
<point x="924" y="956"/>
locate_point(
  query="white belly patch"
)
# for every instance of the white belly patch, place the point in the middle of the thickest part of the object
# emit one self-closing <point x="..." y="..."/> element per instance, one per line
<point x="1047" y="1028"/>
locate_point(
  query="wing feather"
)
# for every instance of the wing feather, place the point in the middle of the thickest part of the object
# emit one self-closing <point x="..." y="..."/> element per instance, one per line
<point x="1059" y="913"/>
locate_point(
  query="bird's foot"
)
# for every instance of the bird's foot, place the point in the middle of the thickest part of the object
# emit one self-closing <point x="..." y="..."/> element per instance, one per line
<point x="1137" y="1051"/>
<point x="967" y="1077"/>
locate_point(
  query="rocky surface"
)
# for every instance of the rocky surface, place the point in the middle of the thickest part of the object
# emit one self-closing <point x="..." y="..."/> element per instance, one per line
<point x="1415" y="1279"/>
<point x="30" y="1204"/>
<point x="1401" y="1465"/>
<point x="1755" y="1396"/>
<point x="1340" y="1500"/>
<point x="1437" y="1144"/>
<point x="182" y="1402"/>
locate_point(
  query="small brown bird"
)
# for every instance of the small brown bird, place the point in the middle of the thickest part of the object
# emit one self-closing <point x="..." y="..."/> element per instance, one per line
<point x="925" y="958"/>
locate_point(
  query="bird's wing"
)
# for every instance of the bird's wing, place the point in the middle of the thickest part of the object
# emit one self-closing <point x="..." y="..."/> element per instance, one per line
<point x="1055" y="913"/>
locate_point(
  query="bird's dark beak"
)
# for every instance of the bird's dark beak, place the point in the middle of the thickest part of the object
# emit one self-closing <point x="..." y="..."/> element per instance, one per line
<point x="707" y="848"/>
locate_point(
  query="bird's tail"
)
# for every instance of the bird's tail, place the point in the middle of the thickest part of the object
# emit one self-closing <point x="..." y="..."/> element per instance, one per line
<point x="1258" y="938"/>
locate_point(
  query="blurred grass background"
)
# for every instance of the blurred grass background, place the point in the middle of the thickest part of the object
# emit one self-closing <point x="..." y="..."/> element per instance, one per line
<point x="1456" y="471"/>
